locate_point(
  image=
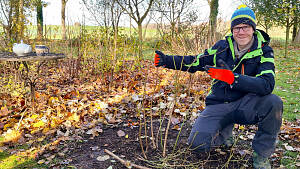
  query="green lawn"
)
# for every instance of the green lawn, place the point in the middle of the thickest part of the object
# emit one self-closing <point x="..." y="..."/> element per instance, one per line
<point x="54" y="31"/>
<point x="288" y="82"/>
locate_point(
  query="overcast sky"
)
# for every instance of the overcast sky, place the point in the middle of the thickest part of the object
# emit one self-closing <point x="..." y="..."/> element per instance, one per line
<point x="75" y="11"/>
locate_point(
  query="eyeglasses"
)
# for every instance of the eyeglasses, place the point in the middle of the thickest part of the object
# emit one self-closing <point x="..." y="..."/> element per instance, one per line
<point x="244" y="28"/>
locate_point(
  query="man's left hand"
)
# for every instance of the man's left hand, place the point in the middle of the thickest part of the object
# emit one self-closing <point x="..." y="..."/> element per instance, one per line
<point x="224" y="75"/>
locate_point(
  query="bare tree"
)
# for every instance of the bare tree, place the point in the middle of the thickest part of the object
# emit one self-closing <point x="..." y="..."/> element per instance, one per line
<point x="176" y="12"/>
<point x="137" y="10"/>
<point x="20" y="19"/>
<point x="13" y="18"/>
<point x="105" y="13"/>
<point x="39" y="4"/>
<point x="99" y="11"/>
<point x="6" y="17"/>
<point x="214" y="4"/>
<point x="39" y="18"/>
<point x="63" y="18"/>
<point x="115" y="14"/>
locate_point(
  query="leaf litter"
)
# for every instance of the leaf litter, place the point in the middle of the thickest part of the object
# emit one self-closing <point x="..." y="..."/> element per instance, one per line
<point x="86" y="110"/>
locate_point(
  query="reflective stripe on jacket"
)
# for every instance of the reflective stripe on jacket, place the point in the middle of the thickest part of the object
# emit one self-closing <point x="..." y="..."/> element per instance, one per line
<point x="258" y="68"/>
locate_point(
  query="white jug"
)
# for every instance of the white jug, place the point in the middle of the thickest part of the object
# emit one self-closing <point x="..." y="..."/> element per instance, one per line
<point x="21" y="49"/>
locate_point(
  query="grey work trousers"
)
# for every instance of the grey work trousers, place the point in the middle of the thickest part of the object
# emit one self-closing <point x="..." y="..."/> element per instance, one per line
<point x="214" y="125"/>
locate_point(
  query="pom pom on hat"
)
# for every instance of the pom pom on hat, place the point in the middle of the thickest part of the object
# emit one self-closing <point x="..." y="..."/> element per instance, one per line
<point x="243" y="15"/>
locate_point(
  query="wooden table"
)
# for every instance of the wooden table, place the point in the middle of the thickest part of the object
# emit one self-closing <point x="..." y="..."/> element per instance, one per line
<point x="30" y="57"/>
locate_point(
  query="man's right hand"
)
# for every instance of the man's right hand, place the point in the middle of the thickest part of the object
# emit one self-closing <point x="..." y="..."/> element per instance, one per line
<point x="159" y="58"/>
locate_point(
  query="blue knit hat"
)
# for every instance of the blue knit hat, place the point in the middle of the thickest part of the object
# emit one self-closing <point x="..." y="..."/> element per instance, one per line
<point x="243" y="15"/>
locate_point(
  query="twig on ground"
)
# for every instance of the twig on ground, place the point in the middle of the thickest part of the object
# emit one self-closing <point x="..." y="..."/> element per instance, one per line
<point x="21" y="119"/>
<point x="128" y="164"/>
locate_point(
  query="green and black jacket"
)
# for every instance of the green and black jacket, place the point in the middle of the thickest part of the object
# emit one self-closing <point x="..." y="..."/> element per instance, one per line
<point x="254" y="71"/>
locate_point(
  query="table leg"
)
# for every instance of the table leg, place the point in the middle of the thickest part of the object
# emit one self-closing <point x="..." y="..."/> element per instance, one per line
<point x="33" y="80"/>
<point x="29" y="80"/>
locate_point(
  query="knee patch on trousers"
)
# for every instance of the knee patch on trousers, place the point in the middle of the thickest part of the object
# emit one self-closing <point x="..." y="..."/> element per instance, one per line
<point x="270" y="104"/>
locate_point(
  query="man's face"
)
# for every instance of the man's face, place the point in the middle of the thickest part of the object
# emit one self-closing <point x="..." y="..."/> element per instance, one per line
<point x="242" y="34"/>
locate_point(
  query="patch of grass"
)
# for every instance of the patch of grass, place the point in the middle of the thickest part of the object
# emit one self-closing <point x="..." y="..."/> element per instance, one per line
<point x="22" y="146"/>
<point x="277" y="32"/>
<point x="3" y="155"/>
<point x="289" y="159"/>
<point x="1" y="139"/>
<point x="8" y="161"/>
<point x="288" y="82"/>
<point x="148" y="54"/>
<point x="14" y="161"/>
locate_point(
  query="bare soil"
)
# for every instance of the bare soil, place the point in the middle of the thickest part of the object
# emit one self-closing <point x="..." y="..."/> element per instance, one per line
<point x="83" y="154"/>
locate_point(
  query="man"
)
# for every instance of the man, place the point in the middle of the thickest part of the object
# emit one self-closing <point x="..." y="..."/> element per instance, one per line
<point x="242" y="67"/>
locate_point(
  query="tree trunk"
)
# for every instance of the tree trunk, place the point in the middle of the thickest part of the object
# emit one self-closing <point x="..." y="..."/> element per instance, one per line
<point x="214" y="4"/>
<point x="40" y="19"/>
<point x="9" y="24"/>
<point x="21" y="20"/>
<point x="140" y="30"/>
<point x="295" y="29"/>
<point x="173" y="24"/>
<point x="297" y="38"/>
<point x="267" y="27"/>
<point x="63" y="18"/>
<point x="287" y="34"/>
<point x="130" y="26"/>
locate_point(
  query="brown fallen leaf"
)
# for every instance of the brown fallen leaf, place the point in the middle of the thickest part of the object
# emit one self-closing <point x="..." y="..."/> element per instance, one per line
<point x="220" y="151"/>
<point x="61" y="154"/>
<point x="4" y="111"/>
<point x="95" y="131"/>
<point x="121" y="133"/>
<point x="103" y="158"/>
<point x="1" y="125"/>
<point x="12" y="136"/>
<point x="41" y="161"/>
<point x="176" y="127"/>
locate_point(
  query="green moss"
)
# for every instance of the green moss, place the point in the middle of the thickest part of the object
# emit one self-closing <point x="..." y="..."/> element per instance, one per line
<point x="9" y="161"/>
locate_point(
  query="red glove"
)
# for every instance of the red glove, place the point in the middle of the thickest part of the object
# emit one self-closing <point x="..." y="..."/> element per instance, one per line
<point x="159" y="58"/>
<point x="224" y="75"/>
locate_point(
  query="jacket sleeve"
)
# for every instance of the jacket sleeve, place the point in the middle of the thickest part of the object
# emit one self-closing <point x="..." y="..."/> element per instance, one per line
<point x="264" y="81"/>
<point x="193" y="63"/>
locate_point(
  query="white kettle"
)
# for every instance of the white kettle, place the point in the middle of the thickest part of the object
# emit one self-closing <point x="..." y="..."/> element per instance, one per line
<point x="21" y="49"/>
